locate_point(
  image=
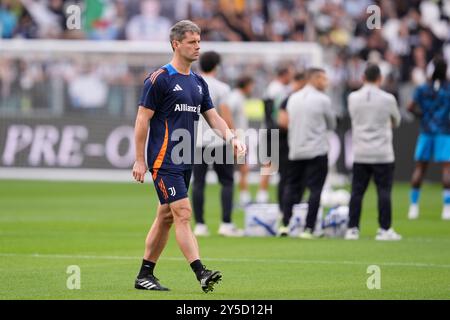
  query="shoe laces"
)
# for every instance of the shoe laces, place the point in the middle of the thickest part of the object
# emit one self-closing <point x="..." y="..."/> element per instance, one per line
<point x="154" y="278"/>
<point x="205" y="270"/>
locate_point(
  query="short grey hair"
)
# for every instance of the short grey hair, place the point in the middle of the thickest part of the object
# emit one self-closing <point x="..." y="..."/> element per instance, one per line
<point x="178" y="30"/>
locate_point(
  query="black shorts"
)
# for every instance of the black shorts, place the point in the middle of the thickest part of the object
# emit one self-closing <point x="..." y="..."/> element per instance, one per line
<point x="172" y="185"/>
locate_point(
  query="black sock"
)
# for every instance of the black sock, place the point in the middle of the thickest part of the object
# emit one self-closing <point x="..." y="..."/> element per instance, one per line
<point x="146" y="269"/>
<point x="197" y="267"/>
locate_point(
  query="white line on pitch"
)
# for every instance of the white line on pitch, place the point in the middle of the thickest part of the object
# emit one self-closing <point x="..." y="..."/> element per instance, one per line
<point x="257" y="260"/>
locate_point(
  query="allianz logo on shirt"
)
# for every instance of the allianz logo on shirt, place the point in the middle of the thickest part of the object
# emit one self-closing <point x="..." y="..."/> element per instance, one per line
<point x="185" y="107"/>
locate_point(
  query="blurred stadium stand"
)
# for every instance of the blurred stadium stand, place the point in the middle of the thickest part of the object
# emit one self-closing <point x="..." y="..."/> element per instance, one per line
<point x="48" y="73"/>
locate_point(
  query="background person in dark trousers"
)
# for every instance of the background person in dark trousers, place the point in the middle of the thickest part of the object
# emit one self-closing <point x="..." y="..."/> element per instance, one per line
<point x="373" y="113"/>
<point x="310" y="117"/>
<point x="220" y="93"/>
<point x="298" y="82"/>
<point x="277" y="90"/>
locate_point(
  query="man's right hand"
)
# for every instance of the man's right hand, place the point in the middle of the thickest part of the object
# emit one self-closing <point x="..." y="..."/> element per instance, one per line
<point x="139" y="170"/>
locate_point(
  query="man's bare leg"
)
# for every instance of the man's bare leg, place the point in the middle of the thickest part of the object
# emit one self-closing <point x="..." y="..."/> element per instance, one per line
<point x="446" y="192"/>
<point x="182" y="212"/>
<point x="263" y="194"/>
<point x="158" y="234"/>
<point x="244" y="194"/>
<point x="416" y="182"/>
<point x="154" y="245"/>
<point x="420" y="169"/>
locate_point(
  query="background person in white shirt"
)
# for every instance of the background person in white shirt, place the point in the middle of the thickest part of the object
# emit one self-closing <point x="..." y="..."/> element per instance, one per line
<point x="206" y="139"/>
<point x="373" y="113"/>
<point x="236" y="103"/>
<point x="310" y="118"/>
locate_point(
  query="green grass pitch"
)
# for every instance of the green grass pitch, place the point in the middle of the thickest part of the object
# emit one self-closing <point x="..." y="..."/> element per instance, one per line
<point x="100" y="227"/>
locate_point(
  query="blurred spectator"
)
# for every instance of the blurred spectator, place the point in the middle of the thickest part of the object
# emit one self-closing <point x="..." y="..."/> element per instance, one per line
<point x="8" y="19"/>
<point x="355" y="72"/>
<point x="48" y="15"/>
<point x="7" y="77"/>
<point x="337" y="78"/>
<point x="26" y="28"/>
<point x="149" y="25"/>
<point x="87" y="89"/>
<point x="418" y="74"/>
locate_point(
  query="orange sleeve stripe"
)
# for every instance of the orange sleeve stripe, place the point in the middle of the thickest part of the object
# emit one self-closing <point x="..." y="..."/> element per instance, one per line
<point x="155" y="75"/>
<point x="162" y="152"/>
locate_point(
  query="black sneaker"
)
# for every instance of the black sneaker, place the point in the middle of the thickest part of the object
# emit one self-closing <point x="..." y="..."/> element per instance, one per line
<point x="149" y="283"/>
<point x="208" y="279"/>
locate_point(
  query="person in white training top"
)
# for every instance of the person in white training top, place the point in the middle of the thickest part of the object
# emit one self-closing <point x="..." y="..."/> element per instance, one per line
<point x="210" y="144"/>
<point x="310" y="118"/>
<point x="373" y="113"/>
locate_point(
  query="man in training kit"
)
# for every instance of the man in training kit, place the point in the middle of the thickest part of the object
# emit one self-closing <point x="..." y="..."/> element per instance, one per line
<point x="298" y="82"/>
<point x="172" y="99"/>
<point x="373" y="113"/>
<point x="214" y="146"/>
<point x="432" y="104"/>
<point x="310" y="117"/>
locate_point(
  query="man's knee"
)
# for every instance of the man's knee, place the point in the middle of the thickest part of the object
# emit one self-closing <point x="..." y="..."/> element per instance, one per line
<point x="181" y="211"/>
<point x="227" y="184"/>
<point x="384" y="194"/>
<point x="166" y="215"/>
<point x="316" y="191"/>
<point x="168" y="218"/>
<point x="356" y="196"/>
<point x="418" y="174"/>
<point x="288" y="194"/>
<point x="199" y="184"/>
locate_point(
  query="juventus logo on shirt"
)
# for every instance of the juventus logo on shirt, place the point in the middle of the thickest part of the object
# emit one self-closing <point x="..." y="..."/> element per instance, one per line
<point x="200" y="89"/>
<point x="173" y="192"/>
<point x="177" y="88"/>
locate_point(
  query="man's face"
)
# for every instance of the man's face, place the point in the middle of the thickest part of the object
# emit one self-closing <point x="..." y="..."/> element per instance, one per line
<point x="287" y="77"/>
<point x="189" y="47"/>
<point x="320" y="81"/>
<point x="248" y="89"/>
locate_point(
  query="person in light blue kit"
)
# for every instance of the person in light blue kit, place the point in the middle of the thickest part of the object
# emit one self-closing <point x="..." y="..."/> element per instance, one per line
<point x="431" y="103"/>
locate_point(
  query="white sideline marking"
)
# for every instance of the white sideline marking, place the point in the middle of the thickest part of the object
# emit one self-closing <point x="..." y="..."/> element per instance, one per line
<point x="257" y="260"/>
